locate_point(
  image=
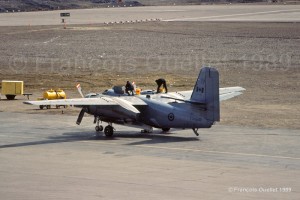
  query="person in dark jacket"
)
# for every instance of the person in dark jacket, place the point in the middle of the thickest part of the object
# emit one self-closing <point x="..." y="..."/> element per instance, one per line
<point x="161" y="82"/>
<point x="129" y="87"/>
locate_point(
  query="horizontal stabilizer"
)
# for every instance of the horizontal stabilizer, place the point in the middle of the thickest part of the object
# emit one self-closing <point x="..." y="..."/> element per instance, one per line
<point x="230" y="95"/>
<point x="231" y="89"/>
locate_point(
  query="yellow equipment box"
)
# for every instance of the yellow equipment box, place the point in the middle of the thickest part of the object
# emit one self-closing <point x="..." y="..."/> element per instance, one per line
<point x="12" y="88"/>
<point x="54" y="94"/>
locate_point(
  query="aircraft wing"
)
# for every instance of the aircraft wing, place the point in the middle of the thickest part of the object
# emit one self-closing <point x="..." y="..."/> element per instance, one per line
<point x="127" y="103"/>
<point x="225" y="93"/>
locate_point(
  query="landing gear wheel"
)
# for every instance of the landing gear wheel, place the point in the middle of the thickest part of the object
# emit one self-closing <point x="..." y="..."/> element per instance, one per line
<point x="109" y="131"/>
<point x="99" y="128"/>
<point x="165" y="129"/>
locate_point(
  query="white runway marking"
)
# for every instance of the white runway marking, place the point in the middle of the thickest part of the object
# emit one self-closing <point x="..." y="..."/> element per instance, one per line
<point x="220" y="152"/>
<point x="199" y="150"/>
<point x="51" y="40"/>
<point x="31" y="31"/>
<point x="167" y="10"/>
<point x="231" y="15"/>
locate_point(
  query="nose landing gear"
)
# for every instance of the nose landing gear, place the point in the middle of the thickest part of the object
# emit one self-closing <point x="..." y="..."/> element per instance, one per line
<point x="99" y="128"/>
<point x="108" y="130"/>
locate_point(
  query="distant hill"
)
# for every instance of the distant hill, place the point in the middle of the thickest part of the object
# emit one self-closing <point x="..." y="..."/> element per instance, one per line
<point x="35" y="5"/>
<point x="184" y="2"/>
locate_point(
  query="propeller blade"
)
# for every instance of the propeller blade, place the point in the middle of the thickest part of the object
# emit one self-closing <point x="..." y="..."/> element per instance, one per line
<point x="79" y="90"/>
<point x="80" y="116"/>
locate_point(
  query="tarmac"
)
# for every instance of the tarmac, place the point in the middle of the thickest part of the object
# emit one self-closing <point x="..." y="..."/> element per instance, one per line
<point x="253" y="13"/>
<point x="50" y="157"/>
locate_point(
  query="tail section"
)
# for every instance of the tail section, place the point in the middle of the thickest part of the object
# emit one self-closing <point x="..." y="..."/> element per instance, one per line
<point x="206" y="91"/>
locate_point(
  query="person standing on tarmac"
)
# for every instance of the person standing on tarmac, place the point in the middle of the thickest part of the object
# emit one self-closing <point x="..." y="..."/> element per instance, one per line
<point x="129" y="87"/>
<point x="161" y="82"/>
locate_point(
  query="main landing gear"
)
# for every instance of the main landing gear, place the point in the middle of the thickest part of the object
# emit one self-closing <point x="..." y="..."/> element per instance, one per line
<point x="108" y="130"/>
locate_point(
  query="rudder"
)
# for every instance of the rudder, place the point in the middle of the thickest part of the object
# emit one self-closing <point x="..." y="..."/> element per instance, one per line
<point x="206" y="91"/>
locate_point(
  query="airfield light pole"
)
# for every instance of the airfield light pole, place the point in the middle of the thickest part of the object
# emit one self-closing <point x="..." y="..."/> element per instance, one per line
<point x="63" y="20"/>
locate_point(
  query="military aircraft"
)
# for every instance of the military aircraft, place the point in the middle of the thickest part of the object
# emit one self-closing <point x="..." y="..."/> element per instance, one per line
<point x="194" y="109"/>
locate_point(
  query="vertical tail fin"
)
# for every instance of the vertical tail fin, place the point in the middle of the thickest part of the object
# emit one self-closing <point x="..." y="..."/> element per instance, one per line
<point x="206" y="91"/>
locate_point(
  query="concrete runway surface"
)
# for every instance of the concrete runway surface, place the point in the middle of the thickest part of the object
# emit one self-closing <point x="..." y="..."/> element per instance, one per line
<point x="50" y="157"/>
<point x="266" y="13"/>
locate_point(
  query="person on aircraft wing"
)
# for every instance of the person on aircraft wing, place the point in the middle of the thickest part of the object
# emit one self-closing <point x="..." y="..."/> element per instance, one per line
<point x="129" y="87"/>
<point x="161" y="82"/>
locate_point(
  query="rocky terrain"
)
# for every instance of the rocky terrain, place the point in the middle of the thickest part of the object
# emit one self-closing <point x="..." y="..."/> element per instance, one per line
<point x="261" y="57"/>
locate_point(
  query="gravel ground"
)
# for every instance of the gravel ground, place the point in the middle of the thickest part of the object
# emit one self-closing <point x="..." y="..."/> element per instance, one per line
<point x="262" y="57"/>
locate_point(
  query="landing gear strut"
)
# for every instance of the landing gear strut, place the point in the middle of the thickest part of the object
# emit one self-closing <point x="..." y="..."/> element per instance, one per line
<point x="98" y="128"/>
<point x="108" y="130"/>
<point x="165" y="129"/>
<point x="196" y="131"/>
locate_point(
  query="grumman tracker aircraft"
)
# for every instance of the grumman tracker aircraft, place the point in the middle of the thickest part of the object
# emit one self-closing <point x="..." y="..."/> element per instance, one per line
<point x="194" y="109"/>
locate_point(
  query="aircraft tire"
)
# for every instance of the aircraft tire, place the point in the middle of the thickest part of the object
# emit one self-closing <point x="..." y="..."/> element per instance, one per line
<point x="109" y="131"/>
<point x="165" y="129"/>
<point x="99" y="128"/>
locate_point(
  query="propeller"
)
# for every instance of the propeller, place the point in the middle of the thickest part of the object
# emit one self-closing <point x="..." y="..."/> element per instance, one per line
<point x="80" y="116"/>
<point x="79" y="90"/>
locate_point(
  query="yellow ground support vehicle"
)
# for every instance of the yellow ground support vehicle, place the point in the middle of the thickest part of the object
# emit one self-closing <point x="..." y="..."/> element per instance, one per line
<point x="12" y="88"/>
<point x="52" y="95"/>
